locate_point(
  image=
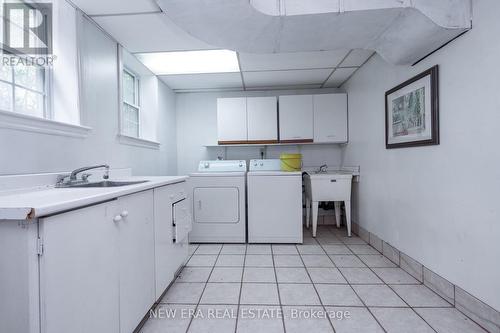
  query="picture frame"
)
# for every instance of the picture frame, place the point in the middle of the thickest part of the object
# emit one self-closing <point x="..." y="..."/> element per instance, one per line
<point x="412" y="111"/>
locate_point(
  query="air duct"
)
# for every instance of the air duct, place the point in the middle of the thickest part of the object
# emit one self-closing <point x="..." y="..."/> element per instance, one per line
<point x="401" y="31"/>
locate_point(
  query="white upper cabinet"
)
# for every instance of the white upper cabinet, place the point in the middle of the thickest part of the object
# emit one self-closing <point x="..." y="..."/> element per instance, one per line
<point x="262" y="115"/>
<point x="231" y="120"/>
<point x="296" y="118"/>
<point x="330" y="118"/>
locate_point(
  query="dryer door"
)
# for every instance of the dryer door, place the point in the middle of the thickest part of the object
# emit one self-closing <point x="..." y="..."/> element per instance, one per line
<point x="216" y="205"/>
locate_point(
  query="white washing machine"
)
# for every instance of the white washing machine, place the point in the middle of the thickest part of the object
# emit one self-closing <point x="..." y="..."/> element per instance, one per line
<point x="218" y="198"/>
<point x="274" y="203"/>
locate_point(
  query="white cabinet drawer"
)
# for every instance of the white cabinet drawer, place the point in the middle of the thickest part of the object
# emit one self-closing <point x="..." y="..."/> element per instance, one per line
<point x="176" y="192"/>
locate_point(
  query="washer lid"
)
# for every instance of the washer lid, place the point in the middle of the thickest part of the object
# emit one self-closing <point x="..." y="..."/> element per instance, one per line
<point x="218" y="174"/>
<point x="275" y="173"/>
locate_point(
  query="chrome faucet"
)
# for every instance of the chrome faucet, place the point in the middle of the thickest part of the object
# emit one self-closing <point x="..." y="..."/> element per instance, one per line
<point x="71" y="179"/>
<point x="72" y="176"/>
<point x="322" y="169"/>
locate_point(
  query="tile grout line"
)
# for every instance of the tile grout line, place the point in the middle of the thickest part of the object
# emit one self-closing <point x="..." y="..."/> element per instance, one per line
<point x="423" y="282"/>
<point x="278" y="288"/>
<point x="314" y="286"/>
<point x="409" y="306"/>
<point x="204" y="287"/>
<point x="316" y="242"/>
<point x="349" y="284"/>
<point x="241" y="289"/>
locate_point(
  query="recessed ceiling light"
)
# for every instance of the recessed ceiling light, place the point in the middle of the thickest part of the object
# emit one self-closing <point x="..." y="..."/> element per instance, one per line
<point x="190" y="62"/>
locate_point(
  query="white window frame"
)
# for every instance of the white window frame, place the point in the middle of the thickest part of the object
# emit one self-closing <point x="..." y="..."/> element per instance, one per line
<point x="10" y="119"/>
<point x="137" y="99"/>
<point x="46" y="93"/>
<point x="123" y="138"/>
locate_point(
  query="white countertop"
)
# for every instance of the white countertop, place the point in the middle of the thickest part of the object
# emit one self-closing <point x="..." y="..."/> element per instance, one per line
<point x="34" y="203"/>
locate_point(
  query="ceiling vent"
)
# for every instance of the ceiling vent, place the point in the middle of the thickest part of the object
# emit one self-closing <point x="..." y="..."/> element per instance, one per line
<point x="401" y="31"/>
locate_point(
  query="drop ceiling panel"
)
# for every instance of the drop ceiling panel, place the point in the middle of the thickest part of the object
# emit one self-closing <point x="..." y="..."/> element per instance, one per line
<point x="285" y="78"/>
<point x="298" y="60"/>
<point x="339" y="76"/>
<point x="152" y="32"/>
<point x="289" y="87"/>
<point x="356" y="58"/>
<point x="100" y="7"/>
<point x="203" y="81"/>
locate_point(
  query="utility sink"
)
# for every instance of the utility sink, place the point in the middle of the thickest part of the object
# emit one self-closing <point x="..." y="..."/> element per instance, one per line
<point x="108" y="183"/>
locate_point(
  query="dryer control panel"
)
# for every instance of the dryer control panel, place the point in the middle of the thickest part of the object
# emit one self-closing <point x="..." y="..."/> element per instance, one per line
<point x="222" y="166"/>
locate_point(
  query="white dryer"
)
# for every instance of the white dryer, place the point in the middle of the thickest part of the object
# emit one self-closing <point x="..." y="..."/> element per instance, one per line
<point x="274" y="203"/>
<point x="218" y="200"/>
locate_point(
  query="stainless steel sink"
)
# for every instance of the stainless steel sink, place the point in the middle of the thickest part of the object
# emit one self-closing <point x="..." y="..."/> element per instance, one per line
<point x="107" y="183"/>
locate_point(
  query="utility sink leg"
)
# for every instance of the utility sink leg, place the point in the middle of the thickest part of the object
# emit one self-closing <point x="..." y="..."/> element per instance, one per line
<point x="337" y="213"/>
<point x="348" y="217"/>
<point x="314" y="217"/>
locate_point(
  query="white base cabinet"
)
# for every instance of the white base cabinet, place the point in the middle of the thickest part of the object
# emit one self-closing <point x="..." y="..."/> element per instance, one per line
<point x="136" y="258"/>
<point x="79" y="271"/>
<point x="93" y="269"/>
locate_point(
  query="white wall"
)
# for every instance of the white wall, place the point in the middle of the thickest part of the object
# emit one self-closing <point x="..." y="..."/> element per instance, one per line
<point x="438" y="204"/>
<point x="197" y="126"/>
<point x="27" y="152"/>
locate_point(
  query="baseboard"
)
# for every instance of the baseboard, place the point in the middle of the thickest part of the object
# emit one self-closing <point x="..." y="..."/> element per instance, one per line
<point x="480" y="312"/>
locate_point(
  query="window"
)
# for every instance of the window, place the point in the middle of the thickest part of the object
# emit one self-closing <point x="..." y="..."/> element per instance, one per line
<point x="23" y="89"/>
<point x="131" y="109"/>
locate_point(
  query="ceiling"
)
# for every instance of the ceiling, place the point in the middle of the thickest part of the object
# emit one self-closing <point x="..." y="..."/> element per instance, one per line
<point x="140" y="26"/>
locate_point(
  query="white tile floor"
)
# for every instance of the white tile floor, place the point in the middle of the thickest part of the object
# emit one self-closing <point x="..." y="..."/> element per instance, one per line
<point x="328" y="284"/>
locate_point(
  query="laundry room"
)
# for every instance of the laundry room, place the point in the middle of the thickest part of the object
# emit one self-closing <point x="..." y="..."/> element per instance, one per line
<point x="172" y="166"/>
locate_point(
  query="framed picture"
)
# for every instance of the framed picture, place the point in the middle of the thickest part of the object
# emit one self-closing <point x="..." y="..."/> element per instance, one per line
<point x="412" y="112"/>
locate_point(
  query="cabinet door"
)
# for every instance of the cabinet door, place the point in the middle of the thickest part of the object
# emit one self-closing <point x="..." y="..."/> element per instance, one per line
<point x="330" y="118"/>
<point x="262" y="113"/>
<point x="165" y="266"/>
<point x="79" y="271"/>
<point x="182" y="220"/>
<point x="169" y="256"/>
<point x="136" y="258"/>
<point x="231" y="120"/>
<point x="296" y="118"/>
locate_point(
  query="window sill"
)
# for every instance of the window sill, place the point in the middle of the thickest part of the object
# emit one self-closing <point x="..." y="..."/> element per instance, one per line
<point x="138" y="142"/>
<point x="21" y="122"/>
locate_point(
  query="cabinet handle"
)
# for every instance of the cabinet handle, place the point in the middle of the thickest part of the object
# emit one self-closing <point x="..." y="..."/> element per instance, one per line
<point x="117" y="218"/>
<point x="199" y="204"/>
<point x="124" y="213"/>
